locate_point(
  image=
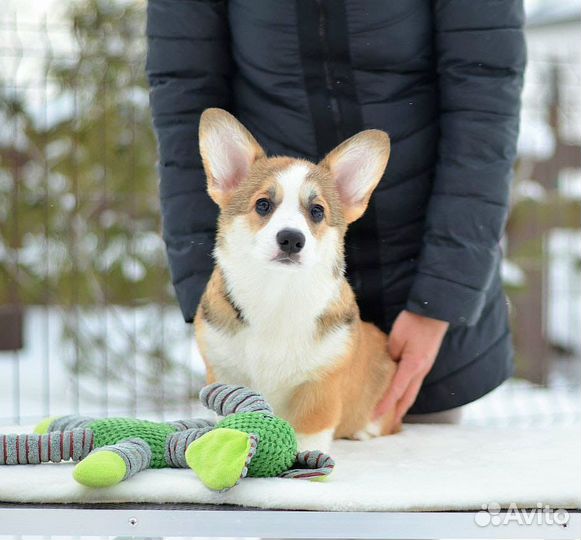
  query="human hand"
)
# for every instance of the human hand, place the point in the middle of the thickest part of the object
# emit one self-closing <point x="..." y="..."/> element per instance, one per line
<point x="414" y="343"/>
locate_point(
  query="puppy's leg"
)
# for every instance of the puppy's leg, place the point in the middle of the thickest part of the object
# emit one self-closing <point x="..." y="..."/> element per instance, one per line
<point x="376" y="428"/>
<point x="316" y="441"/>
<point x="367" y="381"/>
<point x="315" y="413"/>
<point x="389" y="425"/>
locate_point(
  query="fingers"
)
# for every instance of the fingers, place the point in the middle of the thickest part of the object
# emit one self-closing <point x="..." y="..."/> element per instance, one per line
<point x="408" y="399"/>
<point x="404" y="374"/>
<point x="386" y="404"/>
<point x="414" y="343"/>
<point x="405" y="386"/>
<point x="413" y="366"/>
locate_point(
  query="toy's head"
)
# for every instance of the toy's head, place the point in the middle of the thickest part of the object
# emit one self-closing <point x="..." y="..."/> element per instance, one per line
<point x="249" y="441"/>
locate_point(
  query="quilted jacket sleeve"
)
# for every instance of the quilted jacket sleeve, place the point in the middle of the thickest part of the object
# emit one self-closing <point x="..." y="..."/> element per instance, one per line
<point x="480" y="56"/>
<point x="188" y="67"/>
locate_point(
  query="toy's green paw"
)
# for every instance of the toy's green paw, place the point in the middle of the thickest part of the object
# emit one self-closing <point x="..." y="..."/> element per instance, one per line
<point x="220" y="458"/>
<point x="100" y="469"/>
<point x="42" y="427"/>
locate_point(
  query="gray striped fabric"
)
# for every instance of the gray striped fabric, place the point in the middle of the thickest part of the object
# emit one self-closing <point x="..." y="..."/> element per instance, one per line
<point x="225" y="399"/>
<point x="177" y="444"/>
<point x="69" y="422"/>
<point x="136" y="454"/>
<point x="311" y="464"/>
<point x="191" y="424"/>
<point x="55" y="446"/>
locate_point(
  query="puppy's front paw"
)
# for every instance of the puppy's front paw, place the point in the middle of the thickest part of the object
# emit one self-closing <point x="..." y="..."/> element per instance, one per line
<point x="371" y="430"/>
<point x="315" y="441"/>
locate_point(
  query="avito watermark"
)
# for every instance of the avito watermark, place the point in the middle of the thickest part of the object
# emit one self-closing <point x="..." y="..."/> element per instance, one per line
<point x="543" y="514"/>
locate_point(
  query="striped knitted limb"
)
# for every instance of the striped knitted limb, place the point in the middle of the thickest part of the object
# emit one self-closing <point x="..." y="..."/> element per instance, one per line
<point x="225" y="399"/>
<point x="109" y="465"/>
<point x="177" y="444"/>
<point x="311" y="464"/>
<point x="62" y="423"/>
<point x="195" y="423"/>
<point x="56" y="446"/>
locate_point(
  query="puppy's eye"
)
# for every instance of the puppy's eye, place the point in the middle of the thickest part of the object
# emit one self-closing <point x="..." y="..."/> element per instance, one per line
<point x="263" y="207"/>
<point x="317" y="213"/>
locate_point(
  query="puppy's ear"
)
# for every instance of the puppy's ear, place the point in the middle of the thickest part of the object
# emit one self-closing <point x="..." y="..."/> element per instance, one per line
<point x="228" y="150"/>
<point x="357" y="166"/>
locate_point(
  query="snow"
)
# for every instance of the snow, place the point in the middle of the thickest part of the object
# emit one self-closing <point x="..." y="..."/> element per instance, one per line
<point x="38" y="381"/>
<point x="564" y="289"/>
<point x="545" y="12"/>
<point x="512" y="274"/>
<point x="529" y="189"/>
<point x="536" y="139"/>
<point x="519" y="403"/>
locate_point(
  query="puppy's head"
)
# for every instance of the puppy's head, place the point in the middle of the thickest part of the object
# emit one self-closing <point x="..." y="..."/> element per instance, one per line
<point x="282" y="212"/>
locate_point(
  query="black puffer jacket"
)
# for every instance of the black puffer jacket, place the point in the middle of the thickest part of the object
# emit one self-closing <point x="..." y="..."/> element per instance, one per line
<point x="442" y="77"/>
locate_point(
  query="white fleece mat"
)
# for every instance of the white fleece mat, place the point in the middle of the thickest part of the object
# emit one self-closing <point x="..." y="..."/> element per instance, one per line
<point x="426" y="467"/>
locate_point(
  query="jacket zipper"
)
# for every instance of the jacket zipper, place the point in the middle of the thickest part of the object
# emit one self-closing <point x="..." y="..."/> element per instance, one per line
<point x="333" y="101"/>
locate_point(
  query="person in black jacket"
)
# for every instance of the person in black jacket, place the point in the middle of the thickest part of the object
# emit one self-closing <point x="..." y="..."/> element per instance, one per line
<point x="442" y="77"/>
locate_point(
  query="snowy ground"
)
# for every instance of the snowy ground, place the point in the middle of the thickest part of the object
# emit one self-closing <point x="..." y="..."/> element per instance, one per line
<point x="520" y="404"/>
<point x="36" y="382"/>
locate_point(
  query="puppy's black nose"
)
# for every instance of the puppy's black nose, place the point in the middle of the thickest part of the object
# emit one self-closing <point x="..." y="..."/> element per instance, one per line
<point x="290" y="240"/>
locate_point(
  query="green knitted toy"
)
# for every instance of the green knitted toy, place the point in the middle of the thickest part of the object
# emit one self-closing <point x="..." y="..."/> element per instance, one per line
<point x="249" y="441"/>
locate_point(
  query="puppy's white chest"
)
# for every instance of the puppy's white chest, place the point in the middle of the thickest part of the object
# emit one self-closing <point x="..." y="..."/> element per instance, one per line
<point x="274" y="357"/>
<point x="278" y="346"/>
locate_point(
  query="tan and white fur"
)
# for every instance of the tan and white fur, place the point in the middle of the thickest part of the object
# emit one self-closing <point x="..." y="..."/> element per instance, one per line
<point x="278" y="314"/>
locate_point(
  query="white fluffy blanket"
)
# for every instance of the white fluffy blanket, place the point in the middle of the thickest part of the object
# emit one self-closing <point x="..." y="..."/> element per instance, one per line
<point x="426" y="467"/>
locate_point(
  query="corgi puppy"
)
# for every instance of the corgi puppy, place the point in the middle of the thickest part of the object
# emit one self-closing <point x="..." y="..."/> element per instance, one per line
<point x="278" y="314"/>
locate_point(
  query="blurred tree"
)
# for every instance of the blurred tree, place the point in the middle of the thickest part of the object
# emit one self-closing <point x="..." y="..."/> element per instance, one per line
<point x="79" y="214"/>
<point x="79" y="210"/>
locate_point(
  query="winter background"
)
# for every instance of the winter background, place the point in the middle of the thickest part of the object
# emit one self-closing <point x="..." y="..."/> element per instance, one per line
<point x="88" y="322"/>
